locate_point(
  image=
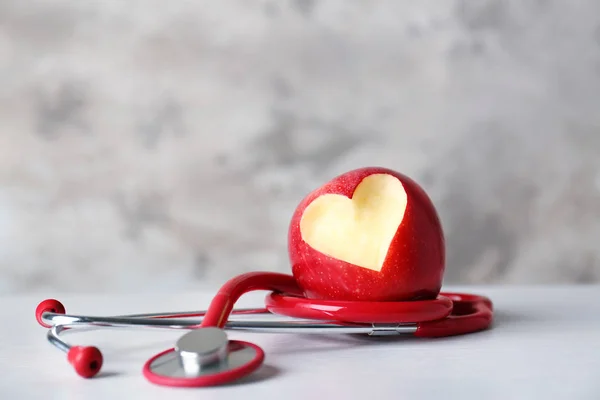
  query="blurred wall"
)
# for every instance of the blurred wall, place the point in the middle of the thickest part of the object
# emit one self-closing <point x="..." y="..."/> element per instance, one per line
<point x="154" y="145"/>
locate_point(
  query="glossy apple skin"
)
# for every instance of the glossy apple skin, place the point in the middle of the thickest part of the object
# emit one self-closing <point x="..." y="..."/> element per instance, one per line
<point x="415" y="262"/>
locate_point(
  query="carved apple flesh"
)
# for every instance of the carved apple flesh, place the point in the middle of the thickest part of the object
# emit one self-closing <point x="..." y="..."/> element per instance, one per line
<point x="371" y="234"/>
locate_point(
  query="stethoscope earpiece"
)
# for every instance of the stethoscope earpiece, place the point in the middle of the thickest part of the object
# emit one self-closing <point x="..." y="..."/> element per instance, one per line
<point x="48" y="306"/>
<point x="86" y="360"/>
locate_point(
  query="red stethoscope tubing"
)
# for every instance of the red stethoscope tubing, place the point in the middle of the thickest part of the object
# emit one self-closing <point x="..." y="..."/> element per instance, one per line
<point x="449" y="314"/>
<point x="222" y="304"/>
<point x="369" y="312"/>
<point x="470" y="313"/>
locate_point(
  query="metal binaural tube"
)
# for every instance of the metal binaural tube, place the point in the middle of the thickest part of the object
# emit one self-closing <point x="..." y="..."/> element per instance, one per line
<point x="116" y="322"/>
<point x="63" y="322"/>
<point x="320" y="327"/>
<point x="298" y="327"/>
<point x="55" y="340"/>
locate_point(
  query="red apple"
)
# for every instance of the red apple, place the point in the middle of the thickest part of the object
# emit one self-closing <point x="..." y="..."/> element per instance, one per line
<point x="371" y="234"/>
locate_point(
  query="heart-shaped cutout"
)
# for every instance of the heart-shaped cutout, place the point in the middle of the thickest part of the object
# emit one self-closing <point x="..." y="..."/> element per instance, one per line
<point x="357" y="230"/>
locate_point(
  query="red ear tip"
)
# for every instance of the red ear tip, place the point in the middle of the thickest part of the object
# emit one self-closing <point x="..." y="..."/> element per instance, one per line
<point x="87" y="361"/>
<point x="48" y="305"/>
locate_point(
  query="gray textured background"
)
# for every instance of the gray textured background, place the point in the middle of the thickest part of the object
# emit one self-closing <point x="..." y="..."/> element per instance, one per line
<point x="153" y="145"/>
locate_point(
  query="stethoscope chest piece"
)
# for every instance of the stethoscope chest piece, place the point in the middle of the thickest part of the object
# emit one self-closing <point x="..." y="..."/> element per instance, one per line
<point x="204" y="357"/>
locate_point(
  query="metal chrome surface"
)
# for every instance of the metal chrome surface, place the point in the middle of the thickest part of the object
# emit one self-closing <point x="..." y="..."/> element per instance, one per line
<point x="202" y="348"/>
<point x="55" y="340"/>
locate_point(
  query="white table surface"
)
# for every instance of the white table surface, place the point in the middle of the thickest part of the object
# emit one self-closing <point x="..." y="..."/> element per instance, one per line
<point x="545" y="344"/>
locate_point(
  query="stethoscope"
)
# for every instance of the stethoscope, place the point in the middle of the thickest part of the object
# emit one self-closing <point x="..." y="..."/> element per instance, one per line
<point x="204" y="356"/>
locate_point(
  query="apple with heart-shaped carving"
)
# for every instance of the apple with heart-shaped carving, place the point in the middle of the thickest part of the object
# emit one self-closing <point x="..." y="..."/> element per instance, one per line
<point x="370" y="234"/>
